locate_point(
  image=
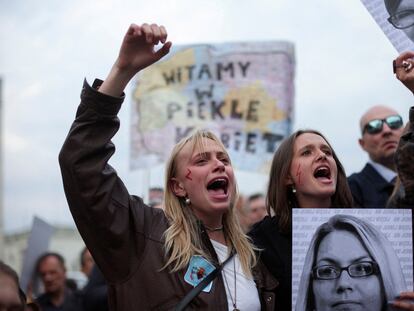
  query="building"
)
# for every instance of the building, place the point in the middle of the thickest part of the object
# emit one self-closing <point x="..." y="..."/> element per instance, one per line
<point x="65" y="241"/>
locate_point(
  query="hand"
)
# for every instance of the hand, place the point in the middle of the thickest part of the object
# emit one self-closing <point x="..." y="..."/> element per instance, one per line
<point x="137" y="52"/>
<point x="404" y="69"/>
<point x="137" y="49"/>
<point x="405" y="301"/>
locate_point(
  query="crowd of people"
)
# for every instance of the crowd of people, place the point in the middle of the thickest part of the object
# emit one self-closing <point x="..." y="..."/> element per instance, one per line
<point x="204" y="248"/>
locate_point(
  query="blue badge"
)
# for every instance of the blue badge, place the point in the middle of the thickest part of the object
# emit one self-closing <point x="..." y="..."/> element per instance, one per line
<point x="198" y="269"/>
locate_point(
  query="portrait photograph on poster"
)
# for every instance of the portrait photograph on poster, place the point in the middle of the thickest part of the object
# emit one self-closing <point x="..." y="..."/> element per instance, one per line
<point x="350" y="259"/>
<point x="396" y="19"/>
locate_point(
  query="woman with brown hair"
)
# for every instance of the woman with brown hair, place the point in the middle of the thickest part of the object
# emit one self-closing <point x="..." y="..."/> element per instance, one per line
<point x="305" y="172"/>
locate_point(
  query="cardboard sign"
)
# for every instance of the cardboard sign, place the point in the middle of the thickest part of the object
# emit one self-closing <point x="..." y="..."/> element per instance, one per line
<point x="243" y="92"/>
<point x="38" y="243"/>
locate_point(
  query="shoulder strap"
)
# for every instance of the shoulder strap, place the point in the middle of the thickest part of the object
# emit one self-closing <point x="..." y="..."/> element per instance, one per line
<point x="200" y="286"/>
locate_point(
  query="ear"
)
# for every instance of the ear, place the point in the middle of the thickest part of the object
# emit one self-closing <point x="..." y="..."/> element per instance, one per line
<point x="289" y="180"/>
<point x="361" y="143"/>
<point x="177" y="187"/>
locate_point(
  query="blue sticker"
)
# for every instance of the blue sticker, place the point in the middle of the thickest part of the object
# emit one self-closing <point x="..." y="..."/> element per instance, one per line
<point x="198" y="269"/>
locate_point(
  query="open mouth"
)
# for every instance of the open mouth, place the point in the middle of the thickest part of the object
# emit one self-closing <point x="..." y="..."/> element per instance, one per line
<point x="218" y="185"/>
<point x="322" y="172"/>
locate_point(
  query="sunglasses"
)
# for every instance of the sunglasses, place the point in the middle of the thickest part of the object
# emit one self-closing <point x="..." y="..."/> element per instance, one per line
<point x="375" y="126"/>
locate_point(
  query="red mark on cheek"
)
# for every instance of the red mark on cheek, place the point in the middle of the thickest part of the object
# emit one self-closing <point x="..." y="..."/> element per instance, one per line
<point x="298" y="174"/>
<point x="188" y="176"/>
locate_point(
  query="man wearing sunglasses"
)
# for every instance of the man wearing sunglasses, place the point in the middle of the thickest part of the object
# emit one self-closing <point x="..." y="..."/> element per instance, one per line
<point x="381" y="129"/>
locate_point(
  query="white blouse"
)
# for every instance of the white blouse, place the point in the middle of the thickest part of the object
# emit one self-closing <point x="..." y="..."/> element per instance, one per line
<point x="247" y="297"/>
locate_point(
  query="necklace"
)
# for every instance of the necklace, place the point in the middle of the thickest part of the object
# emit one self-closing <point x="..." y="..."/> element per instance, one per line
<point x="234" y="302"/>
<point x="214" y="229"/>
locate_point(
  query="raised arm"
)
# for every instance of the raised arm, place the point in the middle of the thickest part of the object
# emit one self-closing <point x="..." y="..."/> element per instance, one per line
<point x="112" y="223"/>
<point x="137" y="52"/>
<point x="404" y="70"/>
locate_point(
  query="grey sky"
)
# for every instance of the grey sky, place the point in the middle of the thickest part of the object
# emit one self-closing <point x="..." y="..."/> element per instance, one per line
<point x="343" y="66"/>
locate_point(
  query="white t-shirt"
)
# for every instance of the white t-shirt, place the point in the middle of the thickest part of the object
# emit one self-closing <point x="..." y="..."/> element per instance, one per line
<point x="247" y="297"/>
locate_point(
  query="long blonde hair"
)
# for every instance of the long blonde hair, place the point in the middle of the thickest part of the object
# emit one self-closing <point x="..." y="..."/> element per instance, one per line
<point x="183" y="238"/>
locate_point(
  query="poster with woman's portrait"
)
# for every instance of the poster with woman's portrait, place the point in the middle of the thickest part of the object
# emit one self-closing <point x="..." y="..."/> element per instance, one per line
<point x="396" y="19"/>
<point x="350" y="259"/>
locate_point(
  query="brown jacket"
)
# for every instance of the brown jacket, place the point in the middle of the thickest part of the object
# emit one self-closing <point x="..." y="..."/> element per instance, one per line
<point x="124" y="235"/>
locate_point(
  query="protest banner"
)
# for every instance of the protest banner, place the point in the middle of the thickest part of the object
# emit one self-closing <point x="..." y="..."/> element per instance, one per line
<point x="37" y="244"/>
<point x="243" y="92"/>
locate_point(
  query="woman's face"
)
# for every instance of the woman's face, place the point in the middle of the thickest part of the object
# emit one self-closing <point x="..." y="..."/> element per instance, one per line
<point x="340" y="249"/>
<point x="313" y="170"/>
<point x="206" y="178"/>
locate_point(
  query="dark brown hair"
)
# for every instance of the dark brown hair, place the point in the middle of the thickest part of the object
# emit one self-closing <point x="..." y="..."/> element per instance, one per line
<point x="279" y="196"/>
<point x="59" y="257"/>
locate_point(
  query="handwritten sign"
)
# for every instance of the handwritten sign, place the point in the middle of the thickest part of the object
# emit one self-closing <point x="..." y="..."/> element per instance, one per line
<point x="243" y="92"/>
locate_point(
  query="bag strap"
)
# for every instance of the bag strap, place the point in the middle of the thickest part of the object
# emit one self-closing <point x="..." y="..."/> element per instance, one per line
<point x="200" y="286"/>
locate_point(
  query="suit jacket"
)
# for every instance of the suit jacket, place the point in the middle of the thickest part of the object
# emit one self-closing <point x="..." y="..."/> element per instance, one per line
<point x="369" y="188"/>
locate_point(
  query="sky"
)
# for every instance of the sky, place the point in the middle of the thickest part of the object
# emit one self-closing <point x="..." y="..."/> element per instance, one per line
<point x="343" y="66"/>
